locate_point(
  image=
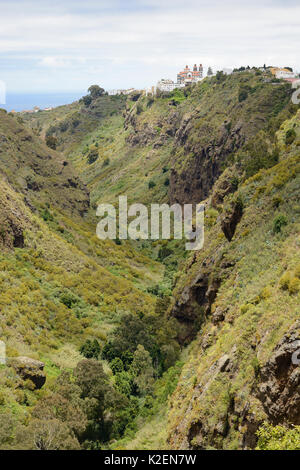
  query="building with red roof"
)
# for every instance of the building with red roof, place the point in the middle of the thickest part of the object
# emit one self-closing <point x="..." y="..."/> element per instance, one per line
<point x="190" y="75"/>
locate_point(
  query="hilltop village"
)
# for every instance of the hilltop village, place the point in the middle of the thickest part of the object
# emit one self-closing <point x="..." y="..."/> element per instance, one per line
<point x="192" y="75"/>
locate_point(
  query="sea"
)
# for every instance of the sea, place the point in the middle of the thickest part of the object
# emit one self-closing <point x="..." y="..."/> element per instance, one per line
<point x="27" y="101"/>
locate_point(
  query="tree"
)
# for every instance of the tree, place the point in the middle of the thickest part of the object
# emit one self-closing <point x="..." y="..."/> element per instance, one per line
<point x="91" y="379"/>
<point x="124" y="383"/>
<point x="7" y="425"/>
<point x="209" y="72"/>
<point x="142" y="370"/>
<point x="87" y="100"/>
<point x="90" y="349"/>
<point x="117" y="365"/>
<point x="132" y="331"/>
<point x="51" y="434"/>
<point x="64" y="405"/>
<point x="96" y="91"/>
<point x="97" y="395"/>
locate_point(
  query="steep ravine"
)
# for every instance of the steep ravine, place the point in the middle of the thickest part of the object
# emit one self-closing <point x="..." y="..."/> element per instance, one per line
<point x="235" y="303"/>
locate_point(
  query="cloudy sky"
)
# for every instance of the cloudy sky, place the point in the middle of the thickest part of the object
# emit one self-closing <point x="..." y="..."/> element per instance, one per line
<point x="69" y="44"/>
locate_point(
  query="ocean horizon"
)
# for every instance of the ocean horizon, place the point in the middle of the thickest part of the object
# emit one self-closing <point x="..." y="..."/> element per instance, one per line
<point x="27" y="101"/>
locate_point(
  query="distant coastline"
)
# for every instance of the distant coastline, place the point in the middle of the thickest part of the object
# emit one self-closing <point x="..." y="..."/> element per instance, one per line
<point x="26" y="101"/>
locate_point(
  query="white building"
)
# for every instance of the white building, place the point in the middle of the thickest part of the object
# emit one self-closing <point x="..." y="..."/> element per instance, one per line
<point x="284" y="74"/>
<point x="165" y="84"/>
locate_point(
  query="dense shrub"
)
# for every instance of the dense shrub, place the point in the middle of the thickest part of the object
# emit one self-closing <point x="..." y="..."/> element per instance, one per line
<point x="93" y="155"/>
<point x="278" y="438"/>
<point x="279" y="222"/>
<point x="46" y="215"/>
<point x="90" y="349"/>
<point x="151" y="184"/>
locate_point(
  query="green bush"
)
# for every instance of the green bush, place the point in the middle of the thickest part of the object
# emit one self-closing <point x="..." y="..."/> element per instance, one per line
<point x="93" y="155"/>
<point x="106" y="162"/>
<point x="47" y="216"/>
<point x="151" y="184"/>
<point x="258" y="155"/>
<point x="278" y="438"/>
<point x="279" y="222"/>
<point x="90" y="349"/>
<point x="244" y="91"/>
<point x="164" y="252"/>
<point x="116" y="365"/>
<point x="69" y="299"/>
<point x="290" y="136"/>
<point x="139" y="108"/>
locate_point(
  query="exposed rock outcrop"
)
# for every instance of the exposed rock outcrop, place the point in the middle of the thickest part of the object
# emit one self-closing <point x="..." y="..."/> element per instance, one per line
<point x="231" y="218"/>
<point x="194" y="303"/>
<point x="29" y="369"/>
<point x="279" y="388"/>
<point x="204" y="164"/>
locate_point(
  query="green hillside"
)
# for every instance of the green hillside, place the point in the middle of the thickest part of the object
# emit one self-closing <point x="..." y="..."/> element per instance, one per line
<point x="150" y="345"/>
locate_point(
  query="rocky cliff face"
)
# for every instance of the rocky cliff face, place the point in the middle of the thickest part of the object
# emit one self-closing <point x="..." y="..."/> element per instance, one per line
<point x="204" y="130"/>
<point x="279" y="385"/>
<point x="240" y="372"/>
<point x="194" y="303"/>
<point x="218" y="127"/>
<point x="204" y="166"/>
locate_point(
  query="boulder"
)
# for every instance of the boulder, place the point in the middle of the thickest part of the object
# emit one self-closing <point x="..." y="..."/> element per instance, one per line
<point x="31" y="369"/>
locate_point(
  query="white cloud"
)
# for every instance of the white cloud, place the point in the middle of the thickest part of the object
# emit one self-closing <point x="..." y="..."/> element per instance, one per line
<point x="136" y="42"/>
<point x="54" y="62"/>
<point x="61" y="62"/>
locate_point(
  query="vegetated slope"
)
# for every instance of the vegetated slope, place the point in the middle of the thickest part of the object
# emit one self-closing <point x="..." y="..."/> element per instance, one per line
<point x="59" y="284"/>
<point x="42" y="218"/>
<point x="70" y="124"/>
<point x="232" y="141"/>
<point x="41" y="174"/>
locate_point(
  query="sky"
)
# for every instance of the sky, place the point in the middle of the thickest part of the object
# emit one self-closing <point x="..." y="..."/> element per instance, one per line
<point x="67" y="45"/>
